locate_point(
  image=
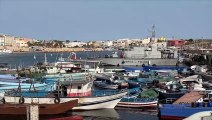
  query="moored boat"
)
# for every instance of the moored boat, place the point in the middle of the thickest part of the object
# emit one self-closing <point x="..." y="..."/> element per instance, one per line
<point x="44" y="109"/>
<point x="100" y="100"/>
<point x="137" y="99"/>
<point x="138" y="103"/>
<point x="189" y="104"/>
<point x="70" y="90"/>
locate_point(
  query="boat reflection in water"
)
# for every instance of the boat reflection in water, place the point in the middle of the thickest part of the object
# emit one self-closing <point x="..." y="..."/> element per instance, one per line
<point x="102" y="114"/>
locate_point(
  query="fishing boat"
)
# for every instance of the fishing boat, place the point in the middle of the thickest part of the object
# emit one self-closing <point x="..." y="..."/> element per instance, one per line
<point x="44" y="109"/>
<point x="187" y="105"/>
<point x="138" y="99"/>
<point x="70" y="90"/>
<point x="99" y="99"/>
<point x="181" y="111"/>
<point x="138" y="103"/>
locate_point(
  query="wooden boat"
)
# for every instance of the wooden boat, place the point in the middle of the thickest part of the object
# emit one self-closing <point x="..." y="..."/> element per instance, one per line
<point x="76" y="89"/>
<point x="137" y="99"/>
<point x="138" y="103"/>
<point x="44" y="109"/>
<point x="98" y="100"/>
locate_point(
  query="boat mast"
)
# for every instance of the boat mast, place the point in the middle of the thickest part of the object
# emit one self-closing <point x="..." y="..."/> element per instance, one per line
<point x="153" y="31"/>
<point x="45" y="59"/>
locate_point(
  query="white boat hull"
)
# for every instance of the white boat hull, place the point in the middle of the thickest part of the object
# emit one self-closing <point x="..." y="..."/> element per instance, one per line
<point x="100" y="105"/>
<point x="137" y="104"/>
<point x="85" y="103"/>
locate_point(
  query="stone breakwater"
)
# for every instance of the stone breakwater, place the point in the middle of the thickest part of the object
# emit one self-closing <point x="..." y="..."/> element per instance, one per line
<point x="17" y="49"/>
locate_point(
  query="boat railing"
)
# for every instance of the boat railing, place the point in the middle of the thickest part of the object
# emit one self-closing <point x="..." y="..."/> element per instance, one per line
<point x="43" y="93"/>
<point x="31" y="93"/>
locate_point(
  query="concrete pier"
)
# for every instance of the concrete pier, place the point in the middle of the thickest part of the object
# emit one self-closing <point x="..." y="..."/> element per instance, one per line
<point x="33" y="112"/>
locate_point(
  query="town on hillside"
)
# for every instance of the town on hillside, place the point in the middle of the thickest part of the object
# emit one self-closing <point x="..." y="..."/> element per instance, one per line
<point x="23" y="44"/>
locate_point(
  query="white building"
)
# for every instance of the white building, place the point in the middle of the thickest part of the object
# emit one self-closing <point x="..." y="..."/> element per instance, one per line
<point x="74" y="44"/>
<point x="108" y="43"/>
<point x="146" y="41"/>
<point x="122" y="42"/>
<point x="2" y="40"/>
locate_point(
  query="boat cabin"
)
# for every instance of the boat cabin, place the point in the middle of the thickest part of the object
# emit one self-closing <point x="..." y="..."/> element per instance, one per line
<point x="76" y="88"/>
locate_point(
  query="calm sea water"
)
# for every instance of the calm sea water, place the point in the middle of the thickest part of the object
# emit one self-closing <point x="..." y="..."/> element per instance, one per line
<point x="27" y="59"/>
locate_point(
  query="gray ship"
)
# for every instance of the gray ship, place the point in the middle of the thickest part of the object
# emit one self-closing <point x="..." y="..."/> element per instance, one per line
<point x="138" y="56"/>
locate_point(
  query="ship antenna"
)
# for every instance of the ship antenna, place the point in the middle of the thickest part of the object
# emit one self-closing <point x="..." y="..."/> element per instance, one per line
<point x="153" y="33"/>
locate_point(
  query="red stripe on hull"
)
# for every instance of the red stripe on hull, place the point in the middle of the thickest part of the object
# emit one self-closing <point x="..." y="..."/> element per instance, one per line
<point x="89" y="93"/>
<point x="171" y="118"/>
<point x="122" y="104"/>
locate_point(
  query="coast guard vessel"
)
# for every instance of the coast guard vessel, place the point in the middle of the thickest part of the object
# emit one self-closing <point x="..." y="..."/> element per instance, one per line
<point x="155" y="53"/>
<point x="137" y="56"/>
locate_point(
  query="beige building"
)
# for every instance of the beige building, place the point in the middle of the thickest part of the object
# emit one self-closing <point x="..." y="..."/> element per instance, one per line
<point x="22" y="42"/>
<point x="97" y="44"/>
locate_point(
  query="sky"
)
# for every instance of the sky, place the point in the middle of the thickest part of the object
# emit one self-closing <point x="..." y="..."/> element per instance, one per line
<point x="88" y="20"/>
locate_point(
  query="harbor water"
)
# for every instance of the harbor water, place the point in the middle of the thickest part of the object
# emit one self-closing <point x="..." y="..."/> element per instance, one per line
<point x="27" y="59"/>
